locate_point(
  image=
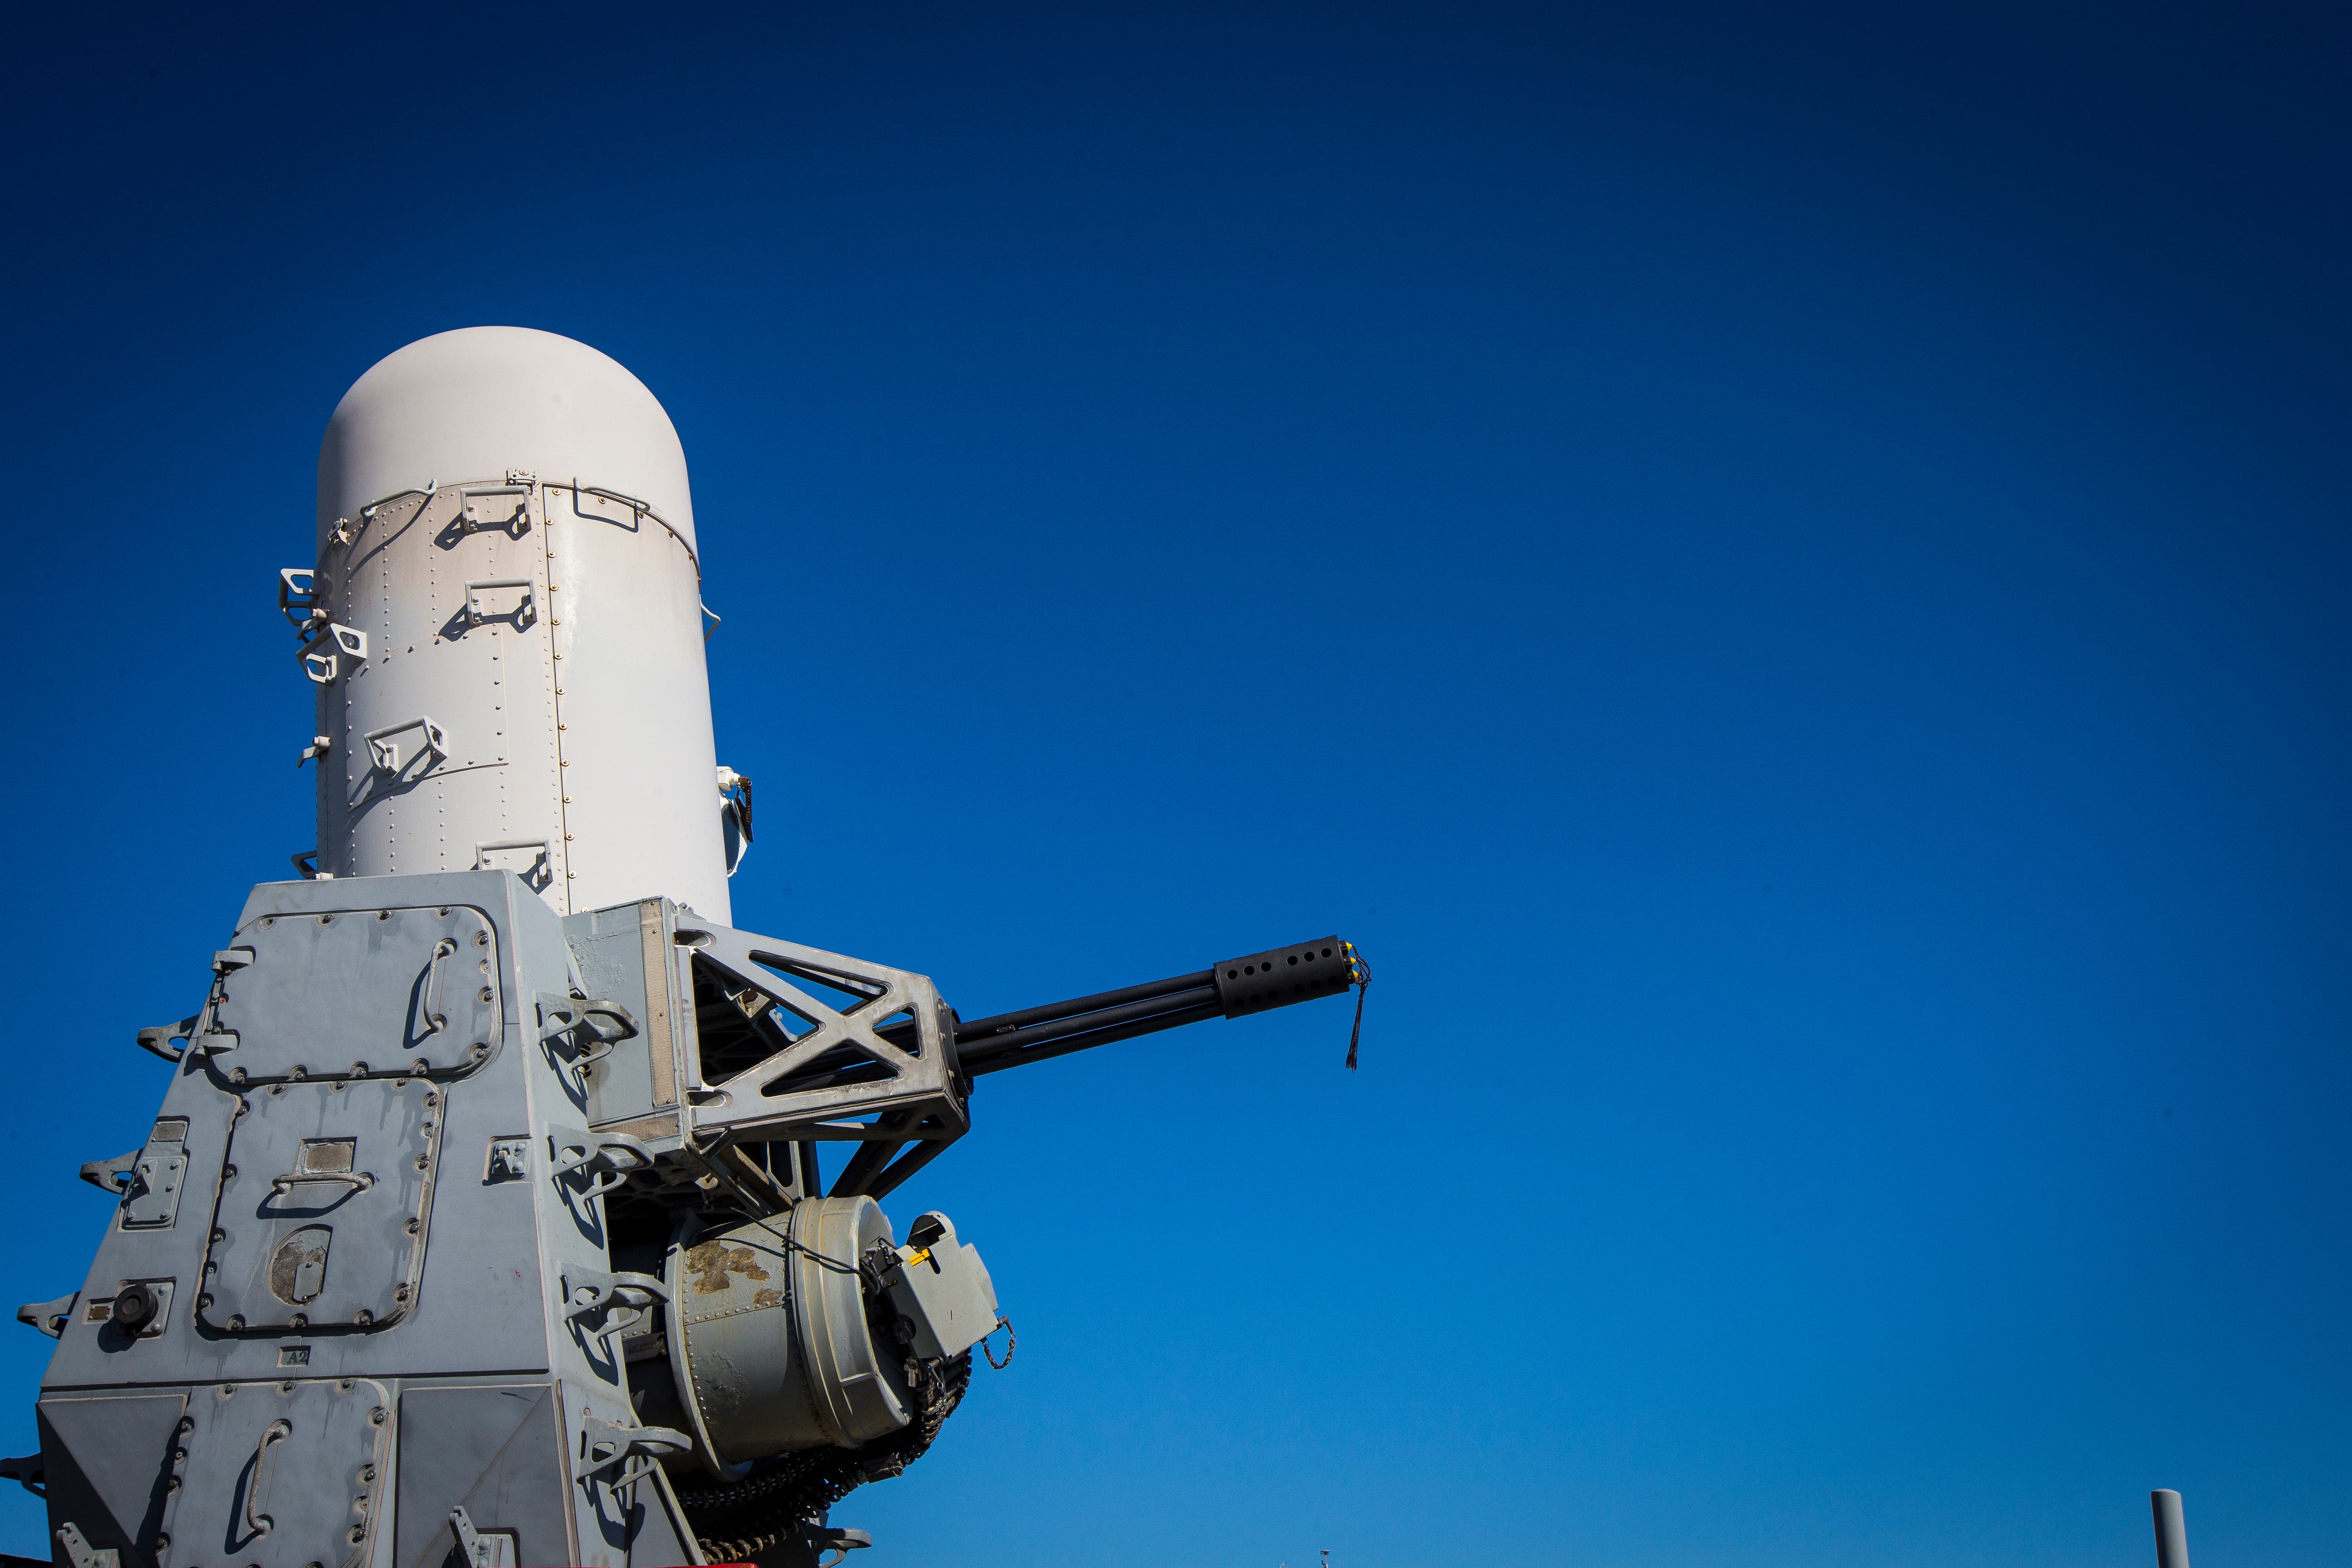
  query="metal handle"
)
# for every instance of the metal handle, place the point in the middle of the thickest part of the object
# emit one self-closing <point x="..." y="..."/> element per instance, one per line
<point x="321" y="656"/>
<point x="524" y="614"/>
<point x="358" y="1181"/>
<point x="298" y="596"/>
<point x="259" y="1523"/>
<point x="515" y="524"/>
<point x="387" y="755"/>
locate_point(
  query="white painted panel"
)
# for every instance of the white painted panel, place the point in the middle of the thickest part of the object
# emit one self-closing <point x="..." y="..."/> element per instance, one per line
<point x="576" y="709"/>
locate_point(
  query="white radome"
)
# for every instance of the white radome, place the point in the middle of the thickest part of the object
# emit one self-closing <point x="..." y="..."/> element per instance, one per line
<point x="506" y="628"/>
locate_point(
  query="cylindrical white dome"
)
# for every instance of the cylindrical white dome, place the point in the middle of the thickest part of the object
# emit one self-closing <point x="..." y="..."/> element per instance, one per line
<point x="508" y="635"/>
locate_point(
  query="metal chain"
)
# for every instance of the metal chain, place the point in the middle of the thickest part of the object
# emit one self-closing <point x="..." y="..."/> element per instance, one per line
<point x="794" y="1490"/>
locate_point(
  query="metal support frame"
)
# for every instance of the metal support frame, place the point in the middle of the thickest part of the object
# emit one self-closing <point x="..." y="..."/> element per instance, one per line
<point x="805" y="1086"/>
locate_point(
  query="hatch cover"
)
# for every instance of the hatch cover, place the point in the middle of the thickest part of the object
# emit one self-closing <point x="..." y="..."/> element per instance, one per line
<point x="323" y="1202"/>
<point x="279" y="1474"/>
<point x="361" y="992"/>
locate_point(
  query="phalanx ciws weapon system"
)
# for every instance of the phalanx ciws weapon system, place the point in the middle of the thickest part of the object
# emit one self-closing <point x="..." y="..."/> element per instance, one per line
<point x="484" y="1221"/>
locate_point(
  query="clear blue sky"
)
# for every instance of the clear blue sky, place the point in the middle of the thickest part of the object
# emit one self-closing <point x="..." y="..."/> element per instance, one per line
<point x="1782" y="571"/>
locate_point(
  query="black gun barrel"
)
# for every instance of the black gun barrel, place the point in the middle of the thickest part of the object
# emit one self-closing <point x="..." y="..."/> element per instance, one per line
<point x="1257" y="983"/>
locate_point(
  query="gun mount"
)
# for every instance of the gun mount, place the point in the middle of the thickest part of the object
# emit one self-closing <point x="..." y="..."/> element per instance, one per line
<point x="484" y="1220"/>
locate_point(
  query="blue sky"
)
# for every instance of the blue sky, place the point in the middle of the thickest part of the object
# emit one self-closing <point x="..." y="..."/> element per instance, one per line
<point x="1783" y="574"/>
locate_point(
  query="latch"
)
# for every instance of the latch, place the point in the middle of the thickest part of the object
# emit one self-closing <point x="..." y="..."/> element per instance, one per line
<point x="622" y="1300"/>
<point x="606" y="1448"/>
<point x="318" y="747"/>
<point x="608" y="1159"/>
<point x="386" y="752"/>
<point x="565" y="1019"/>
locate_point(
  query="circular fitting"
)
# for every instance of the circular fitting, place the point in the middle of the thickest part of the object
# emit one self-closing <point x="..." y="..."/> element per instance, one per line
<point x="769" y="1345"/>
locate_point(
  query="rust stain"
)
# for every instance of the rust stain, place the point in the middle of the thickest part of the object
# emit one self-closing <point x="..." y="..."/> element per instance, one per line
<point x="769" y="1299"/>
<point x="712" y="1263"/>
